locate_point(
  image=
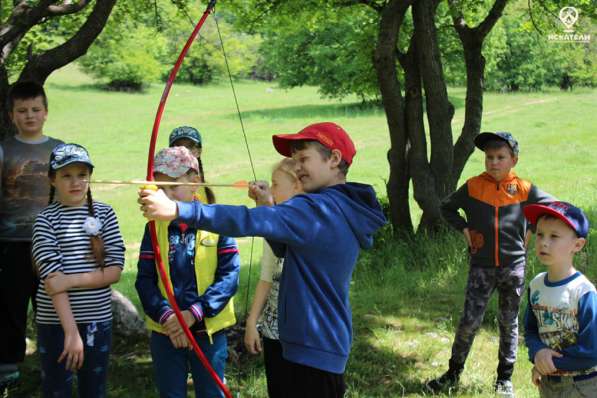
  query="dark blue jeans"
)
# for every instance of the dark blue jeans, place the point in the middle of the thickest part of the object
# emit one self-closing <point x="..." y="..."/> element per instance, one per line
<point x="56" y="381"/>
<point x="171" y="366"/>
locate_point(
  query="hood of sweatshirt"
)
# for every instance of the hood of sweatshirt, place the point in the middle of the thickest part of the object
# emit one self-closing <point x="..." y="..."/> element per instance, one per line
<point x="361" y="209"/>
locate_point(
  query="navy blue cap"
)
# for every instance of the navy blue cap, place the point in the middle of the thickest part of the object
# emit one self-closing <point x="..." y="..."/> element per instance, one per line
<point x="568" y="213"/>
<point x="482" y="139"/>
<point x="185" y="132"/>
<point x="65" y="154"/>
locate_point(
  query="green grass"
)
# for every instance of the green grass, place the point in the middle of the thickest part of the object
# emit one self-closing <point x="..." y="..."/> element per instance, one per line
<point x="406" y="300"/>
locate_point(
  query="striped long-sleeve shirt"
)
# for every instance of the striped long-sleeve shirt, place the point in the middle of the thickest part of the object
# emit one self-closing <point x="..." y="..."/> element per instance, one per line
<point x="61" y="244"/>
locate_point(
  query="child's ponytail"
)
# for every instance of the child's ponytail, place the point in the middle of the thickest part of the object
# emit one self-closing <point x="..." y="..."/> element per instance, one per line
<point x="211" y="197"/>
<point x="52" y="193"/>
<point x="97" y="243"/>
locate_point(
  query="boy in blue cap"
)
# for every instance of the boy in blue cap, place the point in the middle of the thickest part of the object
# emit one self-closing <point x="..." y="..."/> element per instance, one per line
<point x="561" y="316"/>
<point x="319" y="234"/>
<point x="496" y="234"/>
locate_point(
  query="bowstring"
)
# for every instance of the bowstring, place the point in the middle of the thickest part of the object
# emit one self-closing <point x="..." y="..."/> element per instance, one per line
<point x="242" y="126"/>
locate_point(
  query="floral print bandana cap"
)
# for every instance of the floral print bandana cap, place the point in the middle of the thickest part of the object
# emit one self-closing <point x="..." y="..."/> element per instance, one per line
<point x="65" y="154"/>
<point x="175" y="162"/>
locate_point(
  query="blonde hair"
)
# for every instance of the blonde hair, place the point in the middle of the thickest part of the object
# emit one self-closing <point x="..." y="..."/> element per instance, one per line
<point x="288" y="166"/>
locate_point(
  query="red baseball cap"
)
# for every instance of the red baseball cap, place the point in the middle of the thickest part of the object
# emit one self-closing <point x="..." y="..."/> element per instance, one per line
<point x="327" y="134"/>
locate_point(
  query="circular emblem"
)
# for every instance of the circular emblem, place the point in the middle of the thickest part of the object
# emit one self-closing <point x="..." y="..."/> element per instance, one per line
<point x="568" y="16"/>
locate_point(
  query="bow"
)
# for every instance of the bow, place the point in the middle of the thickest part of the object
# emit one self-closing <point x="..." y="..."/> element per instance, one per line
<point x="152" y="230"/>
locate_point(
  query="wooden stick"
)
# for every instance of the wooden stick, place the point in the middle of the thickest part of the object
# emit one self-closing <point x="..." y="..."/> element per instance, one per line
<point x="237" y="184"/>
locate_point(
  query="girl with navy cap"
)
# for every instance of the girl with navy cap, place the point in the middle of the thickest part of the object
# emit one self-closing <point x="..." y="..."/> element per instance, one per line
<point x="79" y="252"/>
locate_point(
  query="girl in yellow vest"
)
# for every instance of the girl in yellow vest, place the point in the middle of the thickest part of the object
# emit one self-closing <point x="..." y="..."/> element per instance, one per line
<point x="204" y="270"/>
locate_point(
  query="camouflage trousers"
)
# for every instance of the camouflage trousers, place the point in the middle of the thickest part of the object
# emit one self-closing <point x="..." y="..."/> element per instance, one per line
<point x="482" y="282"/>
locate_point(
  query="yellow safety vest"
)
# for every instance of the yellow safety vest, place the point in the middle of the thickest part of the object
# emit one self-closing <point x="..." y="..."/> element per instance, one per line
<point x="206" y="262"/>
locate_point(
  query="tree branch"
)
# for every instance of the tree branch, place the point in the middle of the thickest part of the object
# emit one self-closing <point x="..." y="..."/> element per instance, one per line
<point x="66" y="8"/>
<point x="494" y="14"/>
<point x="457" y="17"/>
<point x="533" y="18"/>
<point x="484" y="27"/>
<point x="22" y="18"/>
<point x="40" y="66"/>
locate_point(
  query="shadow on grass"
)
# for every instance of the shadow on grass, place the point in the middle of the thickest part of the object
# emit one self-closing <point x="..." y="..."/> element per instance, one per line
<point x="93" y="88"/>
<point x="355" y="109"/>
<point x="313" y="111"/>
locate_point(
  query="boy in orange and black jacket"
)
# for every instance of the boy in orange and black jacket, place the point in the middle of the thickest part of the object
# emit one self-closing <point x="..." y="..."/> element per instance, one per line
<point x="496" y="230"/>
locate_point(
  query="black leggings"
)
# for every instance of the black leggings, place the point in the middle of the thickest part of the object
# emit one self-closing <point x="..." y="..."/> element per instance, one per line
<point x="17" y="285"/>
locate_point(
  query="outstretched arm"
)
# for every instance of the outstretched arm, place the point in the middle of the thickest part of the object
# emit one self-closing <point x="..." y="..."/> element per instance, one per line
<point x="277" y="223"/>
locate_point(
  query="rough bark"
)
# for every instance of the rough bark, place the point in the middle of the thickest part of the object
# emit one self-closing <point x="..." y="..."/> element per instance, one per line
<point x="397" y="186"/>
<point x="420" y="170"/>
<point x="472" y="42"/>
<point x="439" y="115"/>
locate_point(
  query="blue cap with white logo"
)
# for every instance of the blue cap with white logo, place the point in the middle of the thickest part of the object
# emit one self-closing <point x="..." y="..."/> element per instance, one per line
<point x="65" y="154"/>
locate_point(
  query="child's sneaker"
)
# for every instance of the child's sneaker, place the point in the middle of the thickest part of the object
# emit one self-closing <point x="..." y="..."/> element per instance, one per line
<point x="504" y="389"/>
<point x="444" y="382"/>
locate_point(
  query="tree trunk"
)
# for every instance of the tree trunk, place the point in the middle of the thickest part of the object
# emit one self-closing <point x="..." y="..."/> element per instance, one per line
<point x="6" y="126"/>
<point x="439" y="115"/>
<point x="473" y="113"/>
<point x="397" y="186"/>
<point x="472" y="43"/>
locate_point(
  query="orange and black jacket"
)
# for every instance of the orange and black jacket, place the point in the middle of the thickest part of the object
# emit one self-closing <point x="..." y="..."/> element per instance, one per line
<point x="494" y="217"/>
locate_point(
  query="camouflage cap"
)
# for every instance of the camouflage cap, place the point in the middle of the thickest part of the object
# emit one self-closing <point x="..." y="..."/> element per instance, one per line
<point x="65" y="154"/>
<point x="185" y="132"/>
<point x="482" y="139"/>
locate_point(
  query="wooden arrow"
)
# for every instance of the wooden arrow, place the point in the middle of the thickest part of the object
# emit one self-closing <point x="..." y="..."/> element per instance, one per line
<point x="237" y="184"/>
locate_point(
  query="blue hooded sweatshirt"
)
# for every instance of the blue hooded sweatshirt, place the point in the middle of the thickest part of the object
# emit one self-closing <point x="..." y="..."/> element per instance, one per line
<point x="320" y="235"/>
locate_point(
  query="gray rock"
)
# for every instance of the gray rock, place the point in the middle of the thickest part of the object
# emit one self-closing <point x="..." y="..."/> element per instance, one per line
<point x="126" y="319"/>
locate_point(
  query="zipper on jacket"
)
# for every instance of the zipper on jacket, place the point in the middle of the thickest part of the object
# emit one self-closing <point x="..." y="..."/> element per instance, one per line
<point x="497" y="232"/>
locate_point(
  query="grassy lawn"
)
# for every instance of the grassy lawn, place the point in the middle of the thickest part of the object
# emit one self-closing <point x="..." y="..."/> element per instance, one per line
<point x="406" y="299"/>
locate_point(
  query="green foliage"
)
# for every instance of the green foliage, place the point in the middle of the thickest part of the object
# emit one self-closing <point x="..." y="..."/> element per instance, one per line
<point x="530" y="62"/>
<point x="332" y="47"/>
<point x="329" y="47"/>
<point x="140" y="45"/>
<point x="205" y="61"/>
<point x="126" y="58"/>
